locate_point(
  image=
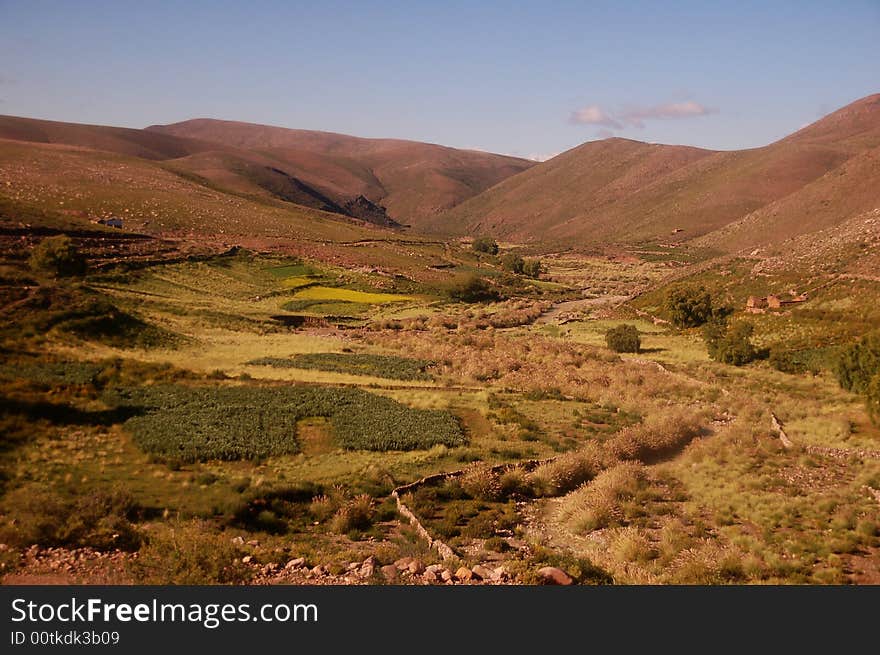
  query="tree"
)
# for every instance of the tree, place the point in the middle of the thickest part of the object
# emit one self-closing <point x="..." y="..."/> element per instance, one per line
<point x="58" y="256"/>
<point x="858" y="364"/>
<point x="486" y="245"/>
<point x="513" y="263"/>
<point x="532" y="268"/>
<point x="689" y="306"/>
<point x="624" y="339"/>
<point x="729" y="344"/>
<point x="474" y="289"/>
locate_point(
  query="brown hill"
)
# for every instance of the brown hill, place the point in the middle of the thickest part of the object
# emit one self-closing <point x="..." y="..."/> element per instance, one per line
<point x="626" y="191"/>
<point x="412" y="180"/>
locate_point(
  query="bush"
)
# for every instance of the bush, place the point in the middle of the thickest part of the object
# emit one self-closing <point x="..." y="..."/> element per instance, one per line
<point x="100" y="520"/>
<point x="516" y="264"/>
<point x="859" y="364"/>
<point x="356" y="514"/>
<point x="624" y="339"/>
<point x="729" y="344"/>
<point x="58" y="256"/>
<point x="481" y="483"/>
<point x="532" y="268"/>
<point x="486" y="245"/>
<point x="513" y="263"/>
<point x="689" y="306"/>
<point x="568" y="471"/>
<point x="473" y="290"/>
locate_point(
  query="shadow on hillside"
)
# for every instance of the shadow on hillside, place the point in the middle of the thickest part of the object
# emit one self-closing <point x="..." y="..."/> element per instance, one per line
<point x="63" y="414"/>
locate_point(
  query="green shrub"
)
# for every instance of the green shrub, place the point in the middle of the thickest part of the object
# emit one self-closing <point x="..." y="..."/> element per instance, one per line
<point x="624" y="339"/>
<point x="858" y="364"/>
<point x="189" y="554"/>
<point x="356" y="514"/>
<point x="58" y="256"/>
<point x="532" y="268"/>
<point x="100" y="520"/>
<point x="486" y="245"/>
<point x="473" y="290"/>
<point x="513" y="263"/>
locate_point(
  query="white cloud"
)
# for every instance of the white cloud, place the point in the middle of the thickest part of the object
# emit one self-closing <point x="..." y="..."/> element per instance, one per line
<point x="594" y="115"/>
<point x="636" y="116"/>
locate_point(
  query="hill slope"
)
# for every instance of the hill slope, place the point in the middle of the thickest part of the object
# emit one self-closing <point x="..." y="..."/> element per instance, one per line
<point x="412" y="180"/>
<point x="626" y="191"/>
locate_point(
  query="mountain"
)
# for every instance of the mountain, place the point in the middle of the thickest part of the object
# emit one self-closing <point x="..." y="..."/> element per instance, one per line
<point x="385" y="181"/>
<point x="413" y="181"/>
<point x="624" y="191"/>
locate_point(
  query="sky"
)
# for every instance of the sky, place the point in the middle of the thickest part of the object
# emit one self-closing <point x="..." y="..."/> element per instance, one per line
<point x="525" y="78"/>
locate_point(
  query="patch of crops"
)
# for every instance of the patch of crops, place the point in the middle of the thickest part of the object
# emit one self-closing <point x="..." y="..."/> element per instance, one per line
<point x="187" y="424"/>
<point x="350" y="295"/>
<point x="325" y="307"/>
<point x="382" y="366"/>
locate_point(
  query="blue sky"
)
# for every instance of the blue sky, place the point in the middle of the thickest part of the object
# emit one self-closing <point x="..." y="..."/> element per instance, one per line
<point x="527" y="78"/>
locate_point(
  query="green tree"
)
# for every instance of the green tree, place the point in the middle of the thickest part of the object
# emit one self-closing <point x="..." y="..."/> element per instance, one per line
<point x="858" y="364"/>
<point x="58" y="256"/>
<point x="513" y="263"/>
<point x="729" y="344"/>
<point x="486" y="245"/>
<point x="532" y="268"/>
<point x="689" y="306"/>
<point x="624" y="339"/>
<point x="474" y="289"/>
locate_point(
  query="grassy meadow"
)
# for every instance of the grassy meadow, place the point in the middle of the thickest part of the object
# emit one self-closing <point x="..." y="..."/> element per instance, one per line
<point x="209" y="417"/>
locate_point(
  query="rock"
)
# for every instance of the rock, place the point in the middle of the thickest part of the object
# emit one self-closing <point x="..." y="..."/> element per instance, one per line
<point x="403" y="563"/>
<point x="435" y="568"/>
<point x="389" y="572"/>
<point x="238" y="541"/>
<point x="351" y="566"/>
<point x="464" y="574"/>
<point x="366" y="571"/>
<point x="247" y="559"/>
<point x="416" y="567"/>
<point x="485" y="573"/>
<point x="253" y="542"/>
<point x="446" y="575"/>
<point x="430" y="577"/>
<point x="552" y="575"/>
<point x="295" y="563"/>
<point x="317" y="571"/>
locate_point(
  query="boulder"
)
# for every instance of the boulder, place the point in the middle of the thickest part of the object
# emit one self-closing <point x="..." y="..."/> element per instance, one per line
<point x="552" y="575"/>
<point x="485" y="573"/>
<point x="403" y="563"/>
<point x="390" y="572"/>
<point x="446" y="575"/>
<point x="295" y="563"/>
<point x="464" y="574"/>
<point x="416" y="567"/>
<point x="430" y="577"/>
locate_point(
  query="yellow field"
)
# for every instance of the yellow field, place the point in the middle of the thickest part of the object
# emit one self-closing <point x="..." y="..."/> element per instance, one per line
<point x="347" y="295"/>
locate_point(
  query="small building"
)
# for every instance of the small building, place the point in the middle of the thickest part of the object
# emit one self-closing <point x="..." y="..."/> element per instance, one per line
<point x="774" y="302"/>
<point x="756" y="302"/>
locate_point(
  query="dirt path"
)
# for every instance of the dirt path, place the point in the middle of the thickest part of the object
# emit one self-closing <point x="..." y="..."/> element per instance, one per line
<point x="559" y="309"/>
